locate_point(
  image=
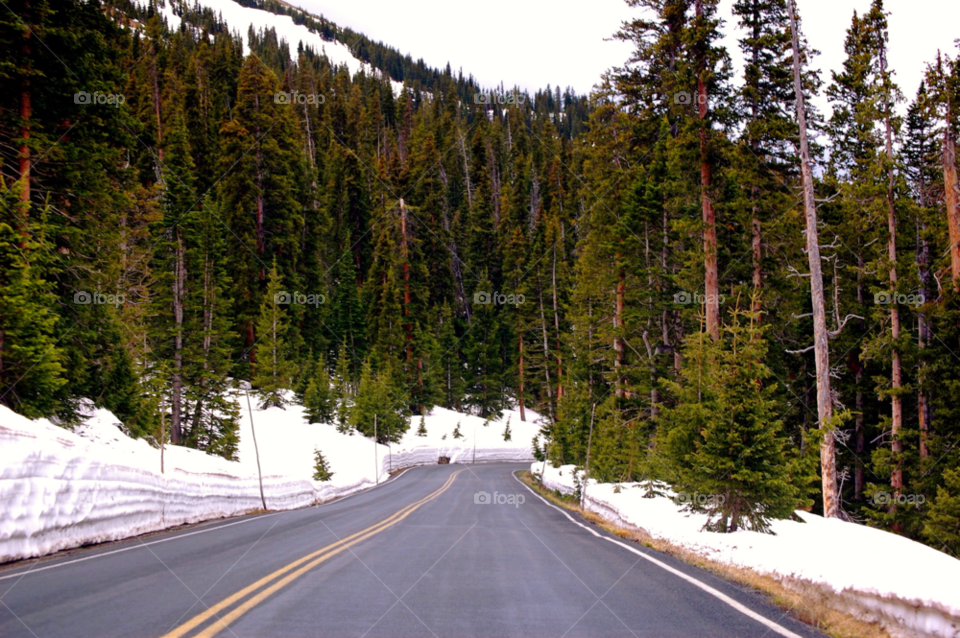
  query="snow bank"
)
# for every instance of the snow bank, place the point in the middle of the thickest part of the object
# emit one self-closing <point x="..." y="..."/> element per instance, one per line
<point x="62" y="489"/>
<point x="912" y="589"/>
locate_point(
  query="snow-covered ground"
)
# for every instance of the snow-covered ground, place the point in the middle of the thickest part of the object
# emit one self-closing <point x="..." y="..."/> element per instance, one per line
<point x="912" y="588"/>
<point x="61" y="489"/>
<point x="239" y="19"/>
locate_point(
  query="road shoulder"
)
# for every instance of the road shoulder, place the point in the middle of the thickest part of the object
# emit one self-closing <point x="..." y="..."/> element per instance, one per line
<point x="811" y="604"/>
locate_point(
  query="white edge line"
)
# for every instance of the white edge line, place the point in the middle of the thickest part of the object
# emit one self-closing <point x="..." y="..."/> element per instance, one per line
<point x="194" y="533"/>
<point x="783" y="631"/>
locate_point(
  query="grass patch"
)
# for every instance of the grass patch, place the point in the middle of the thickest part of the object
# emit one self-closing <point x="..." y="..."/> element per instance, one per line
<point x="810" y="603"/>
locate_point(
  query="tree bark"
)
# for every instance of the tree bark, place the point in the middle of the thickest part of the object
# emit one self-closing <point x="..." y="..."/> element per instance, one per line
<point x="523" y="413"/>
<point x="711" y="279"/>
<point x="179" y="281"/>
<point x="26" y="113"/>
<point x="618" y="331"/>
<point x="951" y="193"/>
<point x="556" y="322"/>
<point x="896" y="381"/>
<point x="261" y="234"/>
<point x="154" y="77"/>
<point x="924" y="333"/>
<point x="828" y="461"/>
<point x="546" y="348"/>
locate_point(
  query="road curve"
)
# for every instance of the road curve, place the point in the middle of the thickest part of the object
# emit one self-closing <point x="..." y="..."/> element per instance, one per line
<point x="418" y="556"/>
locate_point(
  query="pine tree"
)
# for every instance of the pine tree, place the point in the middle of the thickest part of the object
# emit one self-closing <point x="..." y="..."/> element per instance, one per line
<point x="259" y="191"/>
<point x="422" y="429"/>
<point x="305" y="374"/>
<point x="343" y="391"/>
<point x="211" y="416"/>
<point x="318" y="399"/>
<point x="507" y="435"/>
<point x="484" y="355"/>
<point x="377" y="396"/>
<point x="30" y="369"/>
<point x="456" y="431"/>
<point x="723" y="439"/>
<point x="274" y="370"/>
<point x="321" y="467"/>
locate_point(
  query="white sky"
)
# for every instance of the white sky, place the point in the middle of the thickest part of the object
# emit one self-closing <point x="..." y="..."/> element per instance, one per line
<point x="530" y="43"/>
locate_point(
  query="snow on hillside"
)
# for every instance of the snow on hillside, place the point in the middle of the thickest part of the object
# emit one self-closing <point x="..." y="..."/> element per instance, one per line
<point x="239" y="19"/>
<point x="61" y="489"/>
<point x="912" y="588"/>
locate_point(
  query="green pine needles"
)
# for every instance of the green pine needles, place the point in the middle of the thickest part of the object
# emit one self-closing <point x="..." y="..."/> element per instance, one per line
<point x="723" y="441"/>
<point x="321" y="467"/>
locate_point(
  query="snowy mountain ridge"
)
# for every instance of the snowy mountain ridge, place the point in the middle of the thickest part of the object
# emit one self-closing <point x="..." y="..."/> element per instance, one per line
<point x="241" y="19"/>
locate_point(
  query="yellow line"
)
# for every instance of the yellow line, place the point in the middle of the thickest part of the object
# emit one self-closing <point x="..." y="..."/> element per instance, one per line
<point x="320" y="555"/>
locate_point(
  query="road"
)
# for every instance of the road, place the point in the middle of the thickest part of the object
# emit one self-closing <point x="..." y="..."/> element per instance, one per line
<point x="417" y="556"/>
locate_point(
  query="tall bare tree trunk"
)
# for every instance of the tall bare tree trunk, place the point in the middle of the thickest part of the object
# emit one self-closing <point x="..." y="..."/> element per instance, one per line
<point x="261" y="233"/>
<point x="828" y="460"/>
<point x="408" y="324"/>
<point x="756" y="240"/>
<point x="951" y="193"/>
<point x="618" y="347"/>
<point x="154" y="76"/>
<point x="896" y="445"/>
<point x="924" y="333"/>
<point x="711" y="279"/>
<point x="556" y="322"/>
<point x="860" y="436"/>
<point x="176" y="394"/>
<point x="26" y="113"/>
<point x="523" y="413"/>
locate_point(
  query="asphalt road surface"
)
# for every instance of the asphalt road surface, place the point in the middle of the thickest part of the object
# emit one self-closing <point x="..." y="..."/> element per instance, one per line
<point x="417" y="556"/>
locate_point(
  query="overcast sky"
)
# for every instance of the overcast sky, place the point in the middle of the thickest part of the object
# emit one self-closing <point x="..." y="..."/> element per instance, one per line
<point x="530" y="43"/>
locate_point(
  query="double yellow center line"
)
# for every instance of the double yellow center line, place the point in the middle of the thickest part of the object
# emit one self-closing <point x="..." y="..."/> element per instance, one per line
<point x="287" y="574"/>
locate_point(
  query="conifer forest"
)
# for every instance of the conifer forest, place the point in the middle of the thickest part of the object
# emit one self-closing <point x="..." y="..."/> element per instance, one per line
<point x="735" y="292"/>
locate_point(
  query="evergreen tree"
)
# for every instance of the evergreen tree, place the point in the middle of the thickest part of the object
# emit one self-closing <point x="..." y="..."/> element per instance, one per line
<point x="321" y="467"/>
<point x="377" y="396"/>
<point x="274" y="369"/>
<point x="319" y="400"/>
<point x="30" y="369"/>
<point x="723" y="440"/>
<point x="343" y="391"/>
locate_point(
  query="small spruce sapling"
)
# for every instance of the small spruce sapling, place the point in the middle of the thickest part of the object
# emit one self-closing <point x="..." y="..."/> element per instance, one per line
<point x="456" y="432"/>
<point x="507" y="436"/>
<point x="538" y="452"/>
<point x="422" y="430"/>
<point x="321" y="467"/>
<point x="274" y="370"/>
<point x="318" y="400"/>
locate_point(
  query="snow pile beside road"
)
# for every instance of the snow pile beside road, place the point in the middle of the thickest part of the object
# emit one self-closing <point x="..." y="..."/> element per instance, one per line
<point x="485" y="442"/>
<point x="911" y="588"/>
<point x="62" y="489"/>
